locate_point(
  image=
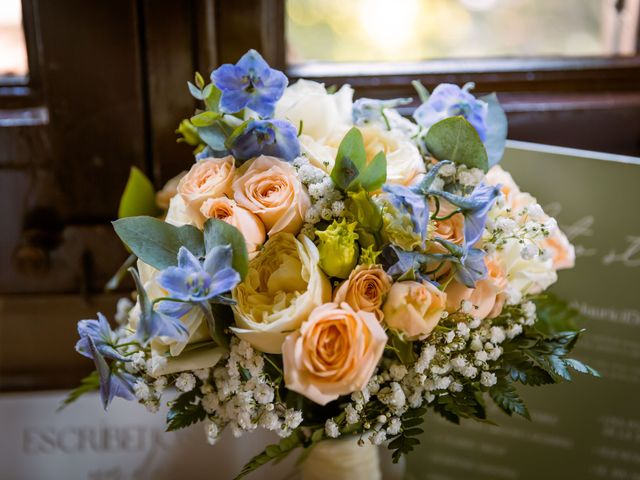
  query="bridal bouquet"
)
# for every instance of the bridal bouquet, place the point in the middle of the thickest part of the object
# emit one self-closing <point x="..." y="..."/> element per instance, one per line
<point x="331" y="268"/>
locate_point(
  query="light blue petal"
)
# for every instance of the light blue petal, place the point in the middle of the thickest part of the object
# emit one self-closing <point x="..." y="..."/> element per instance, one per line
<point x="229" y="77"/>
<point x="174" y="281"/>
<point x="223" y="281"/>
<point x="174" y="309"/>
<point x="252" y="60"/>
<point x="217" y="258"/>
<point x="187" y="261"/>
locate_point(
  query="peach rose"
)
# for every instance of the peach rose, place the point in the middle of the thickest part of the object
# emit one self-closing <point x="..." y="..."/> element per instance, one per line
<point x="170" y="189"/>
<point x="563" y="254"/>
<point x="334" y="353"/>
<point x="488" y="296"/>
<point x="365" y="289"/>
<point x="229" y="211"/>
<point x="208" y="178"/>
<point x="270" y="188"/>
<point x="450" y="229"/>
<point x="414" y="308"/>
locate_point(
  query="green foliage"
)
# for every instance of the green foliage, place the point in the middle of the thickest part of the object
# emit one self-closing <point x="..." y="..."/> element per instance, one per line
<point x="351" y="170"/>
<point x="455" y="139"/>
<point x="217" y="232"/>
<point x="505" y="396"/>
<point x="406" y="440"/>
<point x="185" y="410"/>
<point x="465" y="404"/>
<point x="139" y="196"/>
<point x="402" y="348"/>
<point x="156" y="242"/>
<point x="361" y="208"/>
<point x="496" y="129"/>
<point x="90" y="383"/>
<point x="188" y="134"/>
<point x="555" y="315"/>
<point x="273" y="453"/>
<point x="423" y="93"/>
<point x="205" y="119"/>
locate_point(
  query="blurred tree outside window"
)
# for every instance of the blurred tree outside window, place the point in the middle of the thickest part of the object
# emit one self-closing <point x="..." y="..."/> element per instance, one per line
<point x="417" y="30"/>
<point x="13" y="48"/>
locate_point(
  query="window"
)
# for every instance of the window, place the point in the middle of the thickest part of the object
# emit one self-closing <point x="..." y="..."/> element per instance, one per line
<point x="417" y="30"/>
<point x="13" y="48"/>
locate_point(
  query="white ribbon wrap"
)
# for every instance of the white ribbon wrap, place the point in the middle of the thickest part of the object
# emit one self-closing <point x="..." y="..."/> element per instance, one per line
<point x="342" y="459"/>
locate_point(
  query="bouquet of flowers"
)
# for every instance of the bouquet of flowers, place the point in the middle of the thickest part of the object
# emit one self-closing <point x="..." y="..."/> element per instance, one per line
<point x="330" y="268"/>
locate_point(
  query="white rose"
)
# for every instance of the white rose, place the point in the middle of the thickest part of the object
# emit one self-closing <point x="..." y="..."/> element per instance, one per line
<point x="283" y="285"/>
<point x="321" y="113"/>
<point x="178" y="214"/>
<point x="526" y="276"/>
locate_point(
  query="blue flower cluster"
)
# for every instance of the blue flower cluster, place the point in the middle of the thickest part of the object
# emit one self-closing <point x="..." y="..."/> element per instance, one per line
<point x="252" y="84"/>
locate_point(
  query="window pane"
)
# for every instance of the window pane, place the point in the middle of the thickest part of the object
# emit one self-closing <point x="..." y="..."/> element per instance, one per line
<point x="13" y="49"/>
<point x="411" y="30"/>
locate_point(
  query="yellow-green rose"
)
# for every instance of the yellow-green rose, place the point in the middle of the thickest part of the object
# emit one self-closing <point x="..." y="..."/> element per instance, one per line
<point x="283" y="285"/>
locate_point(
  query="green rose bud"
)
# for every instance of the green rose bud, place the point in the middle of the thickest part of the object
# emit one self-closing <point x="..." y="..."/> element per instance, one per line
<point x="338" y="248"/>
<point x="189" y="133"/>
<point x="368" y="256"/>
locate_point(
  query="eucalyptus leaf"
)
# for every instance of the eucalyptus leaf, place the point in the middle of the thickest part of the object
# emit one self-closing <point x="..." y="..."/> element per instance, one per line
<point x="156" y="242"/>
<point x="217" y="232"/>
<point x="139" y="196"/>
<point x="351" y="170"/>
<point x="195" y="91"/>
<point x="455" y="139"/>
<point x="496" y="130"/>
<point x="212" y="96"/>
<point x="350" y="160"/>
<point x="213" y="136"/>
<point x="205" y="119"/>
<point x="375" y="173"/>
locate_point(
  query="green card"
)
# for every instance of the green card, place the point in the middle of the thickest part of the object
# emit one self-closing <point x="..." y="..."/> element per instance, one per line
<point x="588" y="429"/>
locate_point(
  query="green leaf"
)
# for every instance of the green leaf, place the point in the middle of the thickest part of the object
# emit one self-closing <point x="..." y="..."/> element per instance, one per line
<point x="213" y="136"/>
<point x="496" y="129"/>
<point x="505" y="396"/>
<point x="212" y="96"/>
<point x="402" y="348"/>
<point x="205" y="119"/>
<point x="195" y="91"/>
<point x="156" y="242"/>
<point x="199" y="80"/>
<point x="405" y="441"/>
<point x="273" y="453"/>
<point x="350" y="160"/>
<point x="375" y="173"/>
<point x="351" y="170"/>
<point x="139" y="196"/>
<point x="554" y="315"/>
<point x="185" y="410"/>
<point x="578" y="366"/>
<point x="423" y="93"/>
<point x="88" y="384"/>
<point x="455" y="139"/>
<point x="217" y="232"/>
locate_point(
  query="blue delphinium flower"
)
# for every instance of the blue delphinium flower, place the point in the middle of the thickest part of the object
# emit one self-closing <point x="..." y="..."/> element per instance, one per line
<point x="153" y="322"/>
<point x="449" y="100"/>
<point x="192" y="283"/>
<point x="100" y="333"/>
<point x="276" y="138"/>
<point x="470" y="262"/>
<point x="112" y="384"/>
<point x="406" y="200"/>
<point x="249" y="83"/>
<point x="474" y="207"/>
